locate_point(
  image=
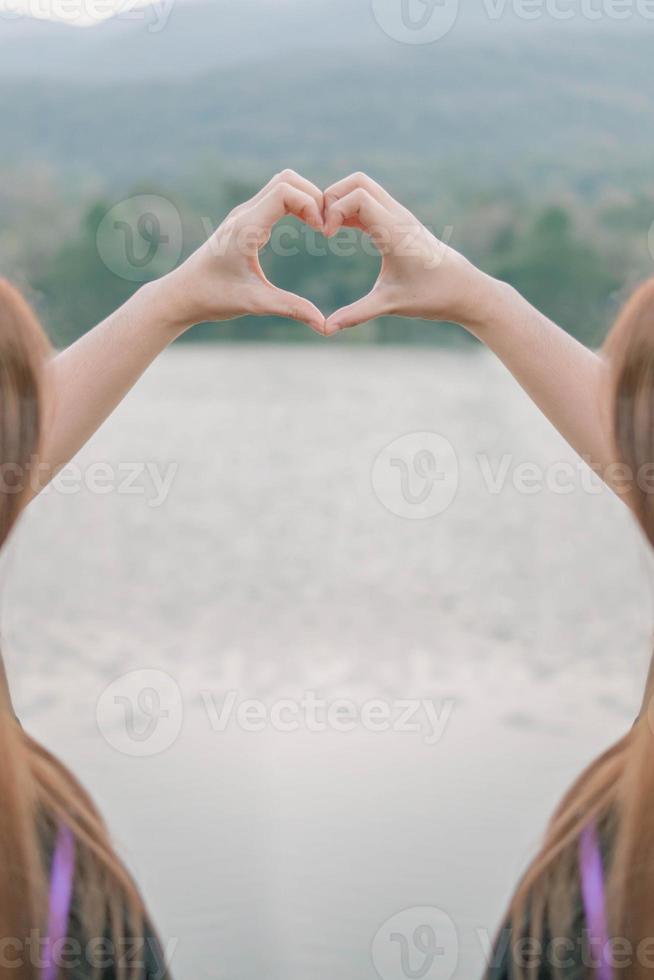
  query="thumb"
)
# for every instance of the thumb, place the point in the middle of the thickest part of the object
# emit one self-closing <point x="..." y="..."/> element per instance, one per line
<point x="293" y="307"/>
<point x="364" y="309"/>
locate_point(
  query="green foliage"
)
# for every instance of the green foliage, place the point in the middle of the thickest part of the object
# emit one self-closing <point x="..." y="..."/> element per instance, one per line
<point x="76" y="288"/>
<point x="569" y="280"/>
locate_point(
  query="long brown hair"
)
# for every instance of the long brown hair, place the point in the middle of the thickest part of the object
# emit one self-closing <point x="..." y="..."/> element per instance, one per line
<point x="617" y="790"/>
<point x="37" y="793"/>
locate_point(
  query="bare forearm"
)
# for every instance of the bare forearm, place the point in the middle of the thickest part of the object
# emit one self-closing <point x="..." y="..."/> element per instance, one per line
<point x="90" y="378"/>
<point x="423" y="277"/>
<point x="566" y="380"/>
<point x="223" y="279"/>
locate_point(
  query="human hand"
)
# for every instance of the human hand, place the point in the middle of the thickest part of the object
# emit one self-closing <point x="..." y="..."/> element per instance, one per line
<point x="223" y="279"/>
<point x="420" y="275"/>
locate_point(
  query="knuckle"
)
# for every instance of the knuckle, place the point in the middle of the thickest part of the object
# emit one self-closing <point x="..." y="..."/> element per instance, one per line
<point x="287" y="174"/>
<point x="293" y="312"/>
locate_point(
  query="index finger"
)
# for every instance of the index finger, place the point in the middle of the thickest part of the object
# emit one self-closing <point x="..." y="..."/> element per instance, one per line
<point x="284" y="199"/>
<point x="293" y="179"/>
<point x="358" y="206"/>
<point x="358" y="181"/>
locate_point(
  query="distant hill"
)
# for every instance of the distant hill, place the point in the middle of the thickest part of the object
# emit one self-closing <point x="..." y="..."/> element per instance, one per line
<point x="577" y="105"/>
<point x="196" y="37"/>
<point x="201" y="36"/>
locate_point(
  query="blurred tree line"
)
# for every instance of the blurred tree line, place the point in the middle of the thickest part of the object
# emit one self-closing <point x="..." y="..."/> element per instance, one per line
<point x="571" y="256"/>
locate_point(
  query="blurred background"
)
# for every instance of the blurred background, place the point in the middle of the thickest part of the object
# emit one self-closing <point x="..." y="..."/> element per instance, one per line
<point x="256" y="524"/>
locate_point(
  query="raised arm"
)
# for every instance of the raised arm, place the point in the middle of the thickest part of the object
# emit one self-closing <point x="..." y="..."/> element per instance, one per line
<point x="567" y="381"/>
<point x="222" y="280"/>
<point x="422" y="277"/>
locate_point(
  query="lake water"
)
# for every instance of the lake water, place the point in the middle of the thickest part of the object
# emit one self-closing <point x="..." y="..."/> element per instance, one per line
<point x="284" y="567"/>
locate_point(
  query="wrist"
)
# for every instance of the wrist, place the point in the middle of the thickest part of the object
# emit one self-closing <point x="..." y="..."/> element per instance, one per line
<point x="164" y="299"/>
<point x="488" y="304"/>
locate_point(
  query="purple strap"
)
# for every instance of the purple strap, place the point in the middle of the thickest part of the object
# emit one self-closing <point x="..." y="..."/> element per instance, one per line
<point x="592" y="893"/>
<point x="61" y="894"/>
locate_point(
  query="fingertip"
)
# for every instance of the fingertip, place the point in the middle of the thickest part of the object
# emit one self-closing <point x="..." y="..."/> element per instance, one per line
<point x="315" y="219"/>
<point x="318" y="326"/>
<point x="315" y="320"/>
<point x="331" y="222"/>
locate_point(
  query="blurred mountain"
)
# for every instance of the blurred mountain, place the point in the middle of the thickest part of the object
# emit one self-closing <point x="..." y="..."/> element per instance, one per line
<point x="580" y="104"/>
<point x="173" y="38"/>
<point x="261" y="84"/>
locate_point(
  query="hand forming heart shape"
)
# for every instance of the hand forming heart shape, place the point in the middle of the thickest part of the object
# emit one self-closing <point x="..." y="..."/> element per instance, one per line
<point x="420" y="276"/>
